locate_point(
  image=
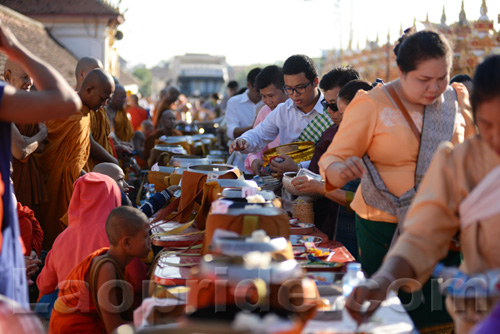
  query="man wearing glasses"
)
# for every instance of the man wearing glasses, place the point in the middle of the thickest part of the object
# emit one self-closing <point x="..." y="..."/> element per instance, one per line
<point x="291" y="119"/>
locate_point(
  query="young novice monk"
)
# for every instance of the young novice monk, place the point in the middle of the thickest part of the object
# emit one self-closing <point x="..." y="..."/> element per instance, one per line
<point x="97" y="296"/>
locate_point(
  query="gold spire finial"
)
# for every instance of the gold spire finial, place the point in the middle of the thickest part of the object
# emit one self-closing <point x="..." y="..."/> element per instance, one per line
<point x="443" y="17"/>
<point x="484" y="12"/>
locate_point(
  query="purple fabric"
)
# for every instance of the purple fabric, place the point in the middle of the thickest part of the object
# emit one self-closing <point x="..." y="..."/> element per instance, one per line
<point x="489" y="325"/>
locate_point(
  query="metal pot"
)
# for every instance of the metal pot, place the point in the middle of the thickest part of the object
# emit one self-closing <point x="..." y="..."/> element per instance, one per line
<point x="176" y="139"/>
<point x="177" y="149"/>
<point x="185" y="161"/>
<point x="207" y="168"/>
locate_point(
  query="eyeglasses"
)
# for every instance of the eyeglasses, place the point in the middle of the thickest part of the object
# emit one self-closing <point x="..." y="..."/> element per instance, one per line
<point x="299" y="89"/>
<point x="332" y="106"/>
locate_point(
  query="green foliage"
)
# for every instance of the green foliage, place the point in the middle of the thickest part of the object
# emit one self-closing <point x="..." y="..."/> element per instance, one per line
<point x="146" y="80"/>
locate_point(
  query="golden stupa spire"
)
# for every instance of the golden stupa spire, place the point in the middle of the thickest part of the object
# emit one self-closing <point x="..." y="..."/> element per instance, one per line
<point x="462" y="18"/>
<point x="484" y="12"/>
<point x="443" y="17"/>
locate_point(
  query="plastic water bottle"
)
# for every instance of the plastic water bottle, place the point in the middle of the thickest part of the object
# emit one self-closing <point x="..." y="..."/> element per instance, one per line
<point x="352" y="278"/>
<point x="150" y="191"/>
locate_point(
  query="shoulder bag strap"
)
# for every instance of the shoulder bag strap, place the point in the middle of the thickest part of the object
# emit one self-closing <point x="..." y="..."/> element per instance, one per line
<point x="402" y="108"/>
<point x="93" y="278"/>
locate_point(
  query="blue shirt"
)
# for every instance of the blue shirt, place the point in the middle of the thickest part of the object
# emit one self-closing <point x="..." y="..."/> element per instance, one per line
<point x="12" y="269"/>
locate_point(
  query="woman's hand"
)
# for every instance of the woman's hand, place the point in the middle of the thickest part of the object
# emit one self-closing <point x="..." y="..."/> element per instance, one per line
<point x="339" y="173"/>
<point x="302" y="183"/>
<point x="373" y="291"/>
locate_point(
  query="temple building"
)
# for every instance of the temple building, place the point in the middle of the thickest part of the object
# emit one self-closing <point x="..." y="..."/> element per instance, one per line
<point x="472" y="41"/>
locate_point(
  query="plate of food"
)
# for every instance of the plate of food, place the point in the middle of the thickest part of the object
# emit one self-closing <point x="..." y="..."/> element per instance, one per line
<point x="300" y="252"/>
<point x="300" y="240"/>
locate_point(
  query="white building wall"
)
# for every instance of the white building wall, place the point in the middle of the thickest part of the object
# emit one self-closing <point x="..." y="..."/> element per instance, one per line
<point x="85" y="39"/>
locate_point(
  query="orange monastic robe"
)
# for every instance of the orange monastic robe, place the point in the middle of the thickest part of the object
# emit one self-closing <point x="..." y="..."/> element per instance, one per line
<point x="31" y="231"/>
<point x="74" y="310"/>
<point x="123" y="127"/>
<point x="65" y="155"/>
<point x="27" y="175"/>
<point x="100" y="129"/>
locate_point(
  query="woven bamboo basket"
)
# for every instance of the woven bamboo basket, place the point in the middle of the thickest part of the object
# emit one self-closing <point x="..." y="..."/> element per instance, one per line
<point x="303" y="209"/>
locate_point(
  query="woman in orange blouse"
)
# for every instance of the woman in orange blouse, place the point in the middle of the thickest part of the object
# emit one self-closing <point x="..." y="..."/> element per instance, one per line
<point x="386" y="140"/>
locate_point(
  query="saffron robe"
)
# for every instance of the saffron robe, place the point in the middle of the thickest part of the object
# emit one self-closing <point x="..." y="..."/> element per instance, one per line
<point x="123" y="127"/>
<point x="74" y="310"/>
<point x="65" y="155"/>
<point x="100" y="129"/>
<point x="137" y="115"/>
<point x="27" y="175"/>
<point x="31" y="231"/>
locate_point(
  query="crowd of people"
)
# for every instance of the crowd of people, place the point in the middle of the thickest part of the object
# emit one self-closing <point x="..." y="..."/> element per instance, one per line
<point x="407" y="176"/>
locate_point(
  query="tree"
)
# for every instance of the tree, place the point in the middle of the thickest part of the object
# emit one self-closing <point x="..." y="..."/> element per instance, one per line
<point x="146" y="80"/>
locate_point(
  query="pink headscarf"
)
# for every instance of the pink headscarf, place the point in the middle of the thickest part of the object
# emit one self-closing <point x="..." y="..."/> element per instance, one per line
<point x="94" y="197"/>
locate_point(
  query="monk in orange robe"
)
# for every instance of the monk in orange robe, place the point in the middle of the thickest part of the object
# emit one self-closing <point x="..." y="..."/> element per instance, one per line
<point x="100" y="130"/>
<point x="172" y="93"/>
<point x="79" y="308"/>
<point x="99" y="124"/>
<point x="26" y="139"/>
<point x="67" y="152"/>
<point x="136" y="112"/>
<point x="120" y="124"/>
<point x="167" y="124"/>
<point x="32" y="236"/>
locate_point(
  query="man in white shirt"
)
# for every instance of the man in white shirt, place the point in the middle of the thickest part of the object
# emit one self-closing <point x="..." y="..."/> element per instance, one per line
<point x="290" y="118"/>
<point x="241" y="109"/>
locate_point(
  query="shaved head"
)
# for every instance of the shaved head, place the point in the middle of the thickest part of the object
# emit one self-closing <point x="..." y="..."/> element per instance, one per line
<point x="96" y="88"/>
<point x="15" y="75"/>
<point x="107" y="168"/>
<point x="139" y="135"/>
<point x="147" y="127"/>
<point x="124" y="221"/>
<point x="167" y="119"/>
<point x="113" y="171"/>
<point x="84" y="66"/>
<point x="119" y="97"/>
